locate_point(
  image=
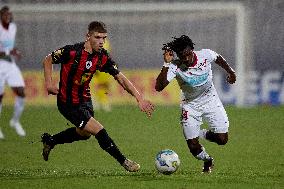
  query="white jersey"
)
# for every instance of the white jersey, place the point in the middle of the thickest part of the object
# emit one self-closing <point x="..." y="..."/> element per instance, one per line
<point x="194" y="80"/>
<point x="9" y="71"/>
<point x="200" y="101"/>
<point x="7" y="37"/>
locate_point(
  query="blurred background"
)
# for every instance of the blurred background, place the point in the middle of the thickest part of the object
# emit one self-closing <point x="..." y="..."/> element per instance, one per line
<point x="248" y="34"/>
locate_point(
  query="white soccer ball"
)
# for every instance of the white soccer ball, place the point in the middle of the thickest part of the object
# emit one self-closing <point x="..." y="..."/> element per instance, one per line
<point x="167" y="161"/>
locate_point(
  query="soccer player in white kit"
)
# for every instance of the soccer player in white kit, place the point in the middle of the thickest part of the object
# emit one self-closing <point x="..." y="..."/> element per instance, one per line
<point x="199" y="99"/>
<point x="9" y="71"/>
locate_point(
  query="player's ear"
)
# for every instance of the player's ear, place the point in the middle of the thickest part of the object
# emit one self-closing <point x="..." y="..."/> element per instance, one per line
<point x="88" y="36"/>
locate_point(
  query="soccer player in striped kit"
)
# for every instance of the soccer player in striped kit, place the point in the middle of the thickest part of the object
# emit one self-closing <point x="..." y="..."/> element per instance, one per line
<point x="199" y="99"/>
<point x="9" y="71"/>
<point x="78" y="64"/>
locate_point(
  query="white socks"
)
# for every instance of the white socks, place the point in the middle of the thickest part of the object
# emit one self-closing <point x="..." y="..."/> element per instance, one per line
<point x="14" y="122"/>
<point x="203" y="155"/>
<point x="1" y="134"/>
<point x="18" y="108"/>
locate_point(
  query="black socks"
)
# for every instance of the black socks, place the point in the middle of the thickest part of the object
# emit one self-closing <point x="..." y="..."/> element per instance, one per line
<point x="107" y="144"/>
<point x="68" y="136"/>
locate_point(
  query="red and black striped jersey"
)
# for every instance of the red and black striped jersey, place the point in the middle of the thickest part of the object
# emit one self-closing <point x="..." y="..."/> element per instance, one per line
<point x="77" y="69"/>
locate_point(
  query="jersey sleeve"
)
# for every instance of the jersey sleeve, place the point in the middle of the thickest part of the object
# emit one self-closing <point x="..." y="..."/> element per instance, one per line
<point x="172" y="71"/>
<point x="211" y="55"/>
<point x="60" y="55"/>
<point x="110" y="67"/>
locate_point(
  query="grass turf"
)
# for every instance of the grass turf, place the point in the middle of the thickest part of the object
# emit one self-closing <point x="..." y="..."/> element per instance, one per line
<point x="253" y="157"/>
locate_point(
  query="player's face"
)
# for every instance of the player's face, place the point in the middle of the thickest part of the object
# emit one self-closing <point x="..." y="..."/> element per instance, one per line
<point x="6" y="17"/>
<point x="186" y="56"/>
<point x="97" y="40"/>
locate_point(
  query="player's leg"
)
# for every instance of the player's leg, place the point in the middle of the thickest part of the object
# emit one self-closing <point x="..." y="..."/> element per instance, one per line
<point x="1" y="97"/>
<point x="199" y="152"/>
<point x="104" y="140"/>
<point x="218" y="122"/>
<point x="2" y="87"/>
<point x="77" y="116"/>
<point x="191" y="121"/>
<point x="82" y="118"/>
<point x="219" y="138"/>
<point x="67" y="136"/>
<point x="16" y="82"/>
<point x="108" y="145"/>
<point x="18" y="110"/>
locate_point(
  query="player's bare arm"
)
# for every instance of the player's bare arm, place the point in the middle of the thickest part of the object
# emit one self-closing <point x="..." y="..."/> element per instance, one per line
<point x="231" y="78"/>
<point x="161" y="81"/>
<point x="3" y="55"/>
<point x="47" y="67"/>
<point x="144" y="105"/>
<point x="14" y="52"/>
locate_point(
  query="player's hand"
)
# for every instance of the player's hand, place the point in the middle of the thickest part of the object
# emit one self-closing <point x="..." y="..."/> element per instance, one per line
<point x="52" y="90"/>
<point x="231" y="78"/>
<point x="168" y="55"/>
<point x="16" y="53"/>
<point x="146" y="106"/>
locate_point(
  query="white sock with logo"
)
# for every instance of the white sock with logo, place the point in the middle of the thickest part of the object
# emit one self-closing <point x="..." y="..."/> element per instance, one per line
<point x="203" y="155"/>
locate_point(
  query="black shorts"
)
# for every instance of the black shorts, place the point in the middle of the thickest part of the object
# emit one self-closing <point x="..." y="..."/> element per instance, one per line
<point x="78" y="115"/>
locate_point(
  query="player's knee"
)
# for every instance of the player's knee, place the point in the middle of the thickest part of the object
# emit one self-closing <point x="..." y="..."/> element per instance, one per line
<point x="84" y="135"/>
<point x="19" y="91"/>
<point x="222" y="139"/>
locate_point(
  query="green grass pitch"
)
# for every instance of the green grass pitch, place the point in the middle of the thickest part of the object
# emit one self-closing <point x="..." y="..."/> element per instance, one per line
<point x="253" y="157"/>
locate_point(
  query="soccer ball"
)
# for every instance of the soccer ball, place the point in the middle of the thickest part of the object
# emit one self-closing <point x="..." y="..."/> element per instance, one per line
<point x="167" y="161"/>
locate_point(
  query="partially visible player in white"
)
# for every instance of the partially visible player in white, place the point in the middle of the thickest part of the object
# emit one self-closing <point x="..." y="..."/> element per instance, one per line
<point x="9" y="71"/>
<point x="199" y="99"/>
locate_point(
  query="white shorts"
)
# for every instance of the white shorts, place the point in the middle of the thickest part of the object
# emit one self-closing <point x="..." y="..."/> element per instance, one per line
<point x="207" y="107"/>
<point x="10" y="74"/>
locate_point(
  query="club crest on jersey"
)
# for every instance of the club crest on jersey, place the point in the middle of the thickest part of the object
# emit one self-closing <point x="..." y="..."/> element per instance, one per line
<point x="89" y="64"/>
<point x="58" y="52"/>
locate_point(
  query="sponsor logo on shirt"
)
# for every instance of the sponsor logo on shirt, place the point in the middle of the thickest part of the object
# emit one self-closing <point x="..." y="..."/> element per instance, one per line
<point x="194" y="80"/>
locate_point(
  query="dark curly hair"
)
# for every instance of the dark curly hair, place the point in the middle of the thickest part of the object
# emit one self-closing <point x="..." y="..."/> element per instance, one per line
<point x="4" y="9"/>
<point x="179" y="44"/>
